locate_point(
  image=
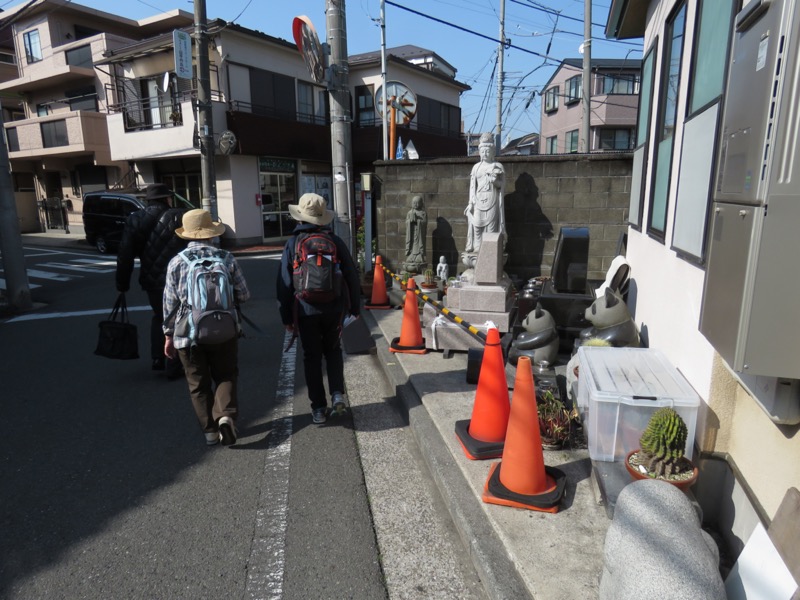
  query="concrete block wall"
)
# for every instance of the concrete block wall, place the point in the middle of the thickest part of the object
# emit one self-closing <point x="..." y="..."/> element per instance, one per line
<point x="543" y="193"/>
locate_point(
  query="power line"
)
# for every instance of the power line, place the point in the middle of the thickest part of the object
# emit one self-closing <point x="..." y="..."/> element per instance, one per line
<point x="464" y="29"/>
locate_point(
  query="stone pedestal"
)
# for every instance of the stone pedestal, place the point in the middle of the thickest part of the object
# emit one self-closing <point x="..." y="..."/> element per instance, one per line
<point x="486" y="297"/>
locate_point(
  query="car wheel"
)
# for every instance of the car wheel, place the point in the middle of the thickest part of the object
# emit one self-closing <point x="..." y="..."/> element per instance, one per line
<point x="101" y="245"/>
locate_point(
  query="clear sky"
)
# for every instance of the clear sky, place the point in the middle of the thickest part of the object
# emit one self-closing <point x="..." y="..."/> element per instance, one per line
<point x="551" y="28"/>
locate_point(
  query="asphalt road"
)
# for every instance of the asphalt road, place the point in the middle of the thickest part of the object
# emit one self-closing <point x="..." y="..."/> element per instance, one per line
<point x="108" y="489"/>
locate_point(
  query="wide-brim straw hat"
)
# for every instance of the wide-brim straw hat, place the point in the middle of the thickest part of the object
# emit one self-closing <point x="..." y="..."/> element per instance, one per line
<point x="197" y="225"/>
<point x="311" y="208"/>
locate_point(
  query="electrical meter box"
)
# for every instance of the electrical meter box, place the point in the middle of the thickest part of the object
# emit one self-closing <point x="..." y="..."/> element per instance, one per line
<point x="618" y="391"/>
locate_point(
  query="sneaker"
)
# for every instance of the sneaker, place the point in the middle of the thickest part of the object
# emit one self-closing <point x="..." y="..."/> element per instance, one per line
<point x="337" y="401"/>
<point x="227" y="432"/>
<point x="318" y="416"/>
<point x="212" y="438"/>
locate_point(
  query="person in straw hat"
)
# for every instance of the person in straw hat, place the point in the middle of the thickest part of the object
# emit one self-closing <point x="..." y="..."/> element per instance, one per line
<point x="319" y="325"/>
<point x="211" y="369"/>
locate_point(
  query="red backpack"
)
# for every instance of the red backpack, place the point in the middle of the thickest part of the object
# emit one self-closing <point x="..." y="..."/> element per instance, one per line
<point x="316" y="271"/>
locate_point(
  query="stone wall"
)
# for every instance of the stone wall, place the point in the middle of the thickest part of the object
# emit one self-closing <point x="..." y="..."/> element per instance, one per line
<point x="543" y="193"/>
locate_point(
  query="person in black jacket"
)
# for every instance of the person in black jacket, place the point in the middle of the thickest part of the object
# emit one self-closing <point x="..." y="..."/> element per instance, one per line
<point x="318" y="325"/>
<point x="149" y="234"/>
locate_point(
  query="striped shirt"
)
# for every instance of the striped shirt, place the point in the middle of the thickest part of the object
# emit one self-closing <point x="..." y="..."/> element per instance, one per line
<point x="175" y="292"/>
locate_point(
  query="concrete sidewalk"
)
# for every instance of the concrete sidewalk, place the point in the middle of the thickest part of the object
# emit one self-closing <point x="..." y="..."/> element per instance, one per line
<point x="518" y="553"/>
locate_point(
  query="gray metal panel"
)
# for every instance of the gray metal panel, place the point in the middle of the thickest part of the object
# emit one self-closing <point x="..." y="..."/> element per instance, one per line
<point x="724" y="291"/>
<point x="744" y="131"/>
<point x="694" y="182"/>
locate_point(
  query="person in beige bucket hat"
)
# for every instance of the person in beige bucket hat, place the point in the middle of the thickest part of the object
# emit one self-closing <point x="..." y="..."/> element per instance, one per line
<point x="311" y="209"/>
<point x="318" y="323"/>
<point x="211" y="369"/>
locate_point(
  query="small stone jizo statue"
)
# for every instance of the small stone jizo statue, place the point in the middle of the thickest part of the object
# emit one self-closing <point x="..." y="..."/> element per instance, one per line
<point x="416" y="230"/>
<point x="442" y="270"/>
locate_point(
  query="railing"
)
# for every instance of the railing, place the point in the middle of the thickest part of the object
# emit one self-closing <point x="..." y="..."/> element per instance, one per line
<point x="274" y="113"/>
<point x="148" y="114"/>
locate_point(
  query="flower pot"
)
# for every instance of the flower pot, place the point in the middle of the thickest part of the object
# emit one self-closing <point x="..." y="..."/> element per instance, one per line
<point x="683" y="481"/>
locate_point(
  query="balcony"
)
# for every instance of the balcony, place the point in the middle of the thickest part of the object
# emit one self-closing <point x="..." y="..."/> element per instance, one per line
<point x="62" y="134"/>
<point x="66" y="65"/>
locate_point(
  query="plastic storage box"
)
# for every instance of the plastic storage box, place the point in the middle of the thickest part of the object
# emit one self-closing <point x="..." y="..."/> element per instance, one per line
<point x="620" y="388"/>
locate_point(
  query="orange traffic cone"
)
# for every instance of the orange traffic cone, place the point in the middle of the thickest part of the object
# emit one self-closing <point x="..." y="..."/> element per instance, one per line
<point x="410" y="340"/>
<point x="379" y="299"/>
<point x="483" y="435"/>
<point x="521" y="479"/>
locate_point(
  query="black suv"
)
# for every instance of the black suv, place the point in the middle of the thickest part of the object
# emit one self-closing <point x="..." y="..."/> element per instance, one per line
<point x="104" y="215"/>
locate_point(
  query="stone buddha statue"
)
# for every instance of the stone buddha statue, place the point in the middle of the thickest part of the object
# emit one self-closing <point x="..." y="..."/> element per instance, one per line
<point x="486" y="188"/>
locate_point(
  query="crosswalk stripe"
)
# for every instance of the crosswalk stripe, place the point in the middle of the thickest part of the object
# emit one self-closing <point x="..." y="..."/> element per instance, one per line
<point x="51" y="276"/>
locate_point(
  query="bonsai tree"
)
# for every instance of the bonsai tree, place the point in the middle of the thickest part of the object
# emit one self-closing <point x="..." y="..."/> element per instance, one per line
<point x="662" y="444"/>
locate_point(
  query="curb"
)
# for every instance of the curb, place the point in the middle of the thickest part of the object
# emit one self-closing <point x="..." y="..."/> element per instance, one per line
<point x="488" y="555"/>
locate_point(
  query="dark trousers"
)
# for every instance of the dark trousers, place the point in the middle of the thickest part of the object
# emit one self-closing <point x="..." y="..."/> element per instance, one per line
<point x="156" y="299"/>
<point x="211" y="372"/>
<point x="321" y="337"/>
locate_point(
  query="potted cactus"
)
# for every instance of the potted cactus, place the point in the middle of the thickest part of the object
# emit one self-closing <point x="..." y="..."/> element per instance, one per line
<point x="429" y="282"/>
<point x="555" y="421"/>
<point x="661" y="452"/>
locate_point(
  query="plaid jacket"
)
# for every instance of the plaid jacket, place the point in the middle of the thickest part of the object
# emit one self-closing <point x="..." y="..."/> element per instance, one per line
<point x="176" y="288"/>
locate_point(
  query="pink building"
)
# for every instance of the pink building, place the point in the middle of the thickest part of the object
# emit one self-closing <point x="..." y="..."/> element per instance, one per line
<point x="614" y="103"/>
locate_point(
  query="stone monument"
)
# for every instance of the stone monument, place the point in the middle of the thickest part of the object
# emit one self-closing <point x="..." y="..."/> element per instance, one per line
<point x="416" y="230"/>
<point x="485" y="298"/>
<point x="485" y="209"/>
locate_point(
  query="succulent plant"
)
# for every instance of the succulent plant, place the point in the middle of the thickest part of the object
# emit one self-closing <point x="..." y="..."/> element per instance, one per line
<point x="428" y="275"/>
<point x="663" y="443"/>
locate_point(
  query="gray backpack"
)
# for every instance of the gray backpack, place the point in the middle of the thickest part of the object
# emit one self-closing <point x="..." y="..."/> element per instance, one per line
<point x="212" y="317"/>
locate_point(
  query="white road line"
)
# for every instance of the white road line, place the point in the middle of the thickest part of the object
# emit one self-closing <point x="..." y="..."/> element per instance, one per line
<point x="51" y="276"/>
<point x="102" y="263"/>
<point x="85" y="268"/>
<point x="77" y="313"/>
<point x="266" y="564"/>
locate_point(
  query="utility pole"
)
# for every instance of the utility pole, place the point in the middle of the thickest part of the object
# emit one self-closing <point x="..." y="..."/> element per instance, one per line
<point x="384" y="108"/>
<point x="205" y="122"/>
<point x="18" y="291"/>
<point x="586" y="83"/>
<point x="500" y="75"/>
<point x="341" y="119"/>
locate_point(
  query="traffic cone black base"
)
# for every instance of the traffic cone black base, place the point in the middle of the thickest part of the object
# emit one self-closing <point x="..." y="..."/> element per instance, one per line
<point x="370" y="306"/>
<point x="494" y="492"/>
<point x="395" y="346"/>
<point x="476" y="449"/>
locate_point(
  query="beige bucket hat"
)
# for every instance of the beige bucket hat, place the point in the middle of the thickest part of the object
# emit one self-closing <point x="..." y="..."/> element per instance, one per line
<point x="197" y="225"/>
<point x="311" y="208"/>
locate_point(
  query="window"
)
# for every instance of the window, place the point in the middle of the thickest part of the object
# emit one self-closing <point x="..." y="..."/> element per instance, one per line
<point x="42" y="110"/>
<point x="620" y="84"/>
<point x="13" y="139"/>
<point x="33" y="47"/>
<point x="83" y="32"/>
<point x="54" y="133"/>
<point x="551" y="99"/>
<point x="311" y="103"/>
<point x="80" y="57"/>
<point x="273" y="94"/>
<point x="7" y="58"/>
<point x="572" y="141"/>
<point x="636" y="206"/>
<point x="366" y="115"/>
<point x="552" y="145"/>
<point x="23" y="182"/>
<point x="706" y="86"/>
<point x="668" y="113"/>
<point x="616" y="139"/>
<point x="573" y="89"/>
<point x="84" y="98"/>
<point x="437" y="117"/>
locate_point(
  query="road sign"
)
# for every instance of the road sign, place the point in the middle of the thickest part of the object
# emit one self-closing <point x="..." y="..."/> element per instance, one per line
<point x="305" y="36"/>
<point x="403" y="99"/>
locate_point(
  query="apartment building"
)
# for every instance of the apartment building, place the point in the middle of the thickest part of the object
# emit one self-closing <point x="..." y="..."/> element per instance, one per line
<point x="614" y="101"/>
<point x="713" y="238"/>
<point x="54" y="101"/>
